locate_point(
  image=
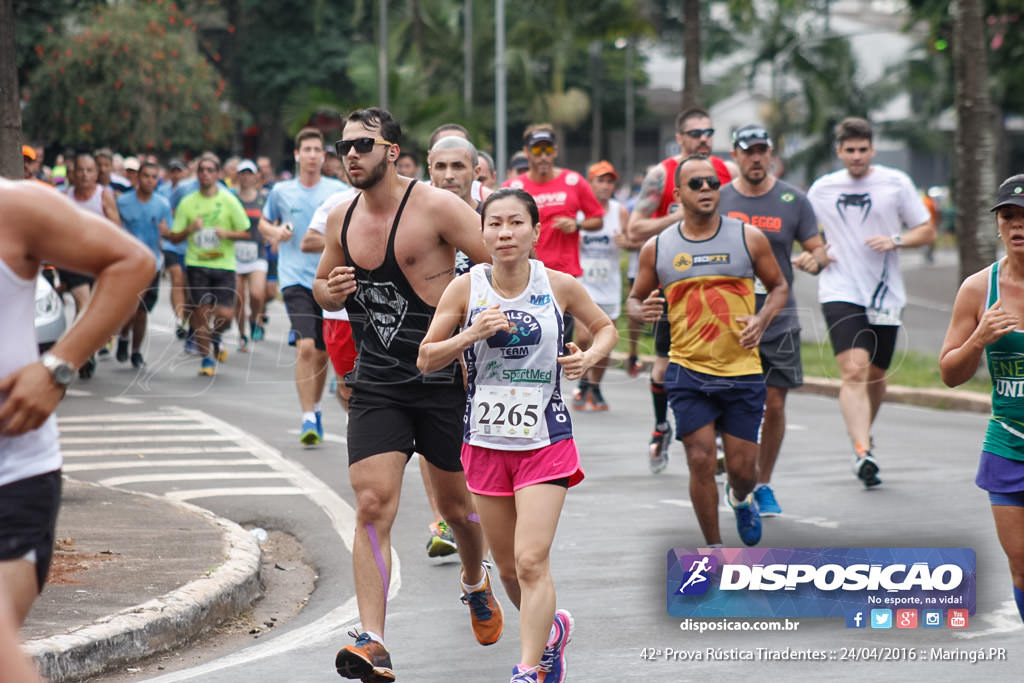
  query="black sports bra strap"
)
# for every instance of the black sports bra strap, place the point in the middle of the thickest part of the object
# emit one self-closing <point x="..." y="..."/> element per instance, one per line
<point x="398" y="217"/>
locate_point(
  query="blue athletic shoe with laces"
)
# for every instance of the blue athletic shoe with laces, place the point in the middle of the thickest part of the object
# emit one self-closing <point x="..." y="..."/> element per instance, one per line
<point x="309" y="435"/>
<point x="552" y="662"/>
<point x="524" y="675"/>
<point x="748" y="519"/>
<point x="320" y="424"/>
<point x="766" y="503"/>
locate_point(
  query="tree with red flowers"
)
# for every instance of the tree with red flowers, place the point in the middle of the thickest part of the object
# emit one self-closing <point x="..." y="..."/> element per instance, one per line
<point x="129" y="77"/>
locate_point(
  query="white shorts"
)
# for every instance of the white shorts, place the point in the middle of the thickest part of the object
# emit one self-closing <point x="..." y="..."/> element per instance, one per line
<point x="246" y="267"/>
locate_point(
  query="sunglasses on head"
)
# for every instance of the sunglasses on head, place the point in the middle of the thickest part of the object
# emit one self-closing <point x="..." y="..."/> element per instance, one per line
<point x="696" y="183"/>
<point x="700" y="132"/>
<point x="362" y="145"/>
<point x="542" y="148"/>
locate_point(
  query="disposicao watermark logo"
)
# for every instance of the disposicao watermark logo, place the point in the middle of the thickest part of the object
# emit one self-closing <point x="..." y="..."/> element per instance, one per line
<point x="818" y="582"/>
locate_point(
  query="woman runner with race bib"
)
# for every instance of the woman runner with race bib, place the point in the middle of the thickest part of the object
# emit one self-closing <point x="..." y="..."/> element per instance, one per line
<point x="518" y="451"/>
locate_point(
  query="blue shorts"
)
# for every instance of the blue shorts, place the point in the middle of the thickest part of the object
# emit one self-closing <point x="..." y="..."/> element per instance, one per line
<point x="1003" y="478"/>
<point x="734" y="404"/>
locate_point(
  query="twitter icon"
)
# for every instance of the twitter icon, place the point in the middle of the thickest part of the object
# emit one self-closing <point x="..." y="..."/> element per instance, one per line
<point x="881" y="618"/>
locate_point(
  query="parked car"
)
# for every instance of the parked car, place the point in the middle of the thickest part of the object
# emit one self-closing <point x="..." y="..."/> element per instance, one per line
<point x="50" y="321"/>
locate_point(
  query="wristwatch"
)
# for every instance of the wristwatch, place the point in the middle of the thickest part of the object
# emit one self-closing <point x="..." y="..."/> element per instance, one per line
<point x="897" y="240"/>
<point x="61" y="370"/>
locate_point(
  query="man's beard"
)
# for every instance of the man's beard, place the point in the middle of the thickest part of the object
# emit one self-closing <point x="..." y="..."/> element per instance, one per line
<point x="371" y="178"/>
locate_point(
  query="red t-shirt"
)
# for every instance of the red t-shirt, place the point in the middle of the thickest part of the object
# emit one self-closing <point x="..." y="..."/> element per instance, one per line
<point x="564" y="195"/>
<point x="668" y="200"/>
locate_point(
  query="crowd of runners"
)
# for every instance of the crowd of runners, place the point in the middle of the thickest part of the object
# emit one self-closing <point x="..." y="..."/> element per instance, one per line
<point x="451" y="310"/>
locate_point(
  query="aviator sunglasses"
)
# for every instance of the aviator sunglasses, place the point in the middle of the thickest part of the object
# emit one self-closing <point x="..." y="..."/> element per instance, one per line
<point x="362" y="145"/>
<point x="697" y="182"/>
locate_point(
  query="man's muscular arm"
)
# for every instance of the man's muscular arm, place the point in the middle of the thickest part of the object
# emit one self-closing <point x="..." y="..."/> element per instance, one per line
<point x="641" y="224"/>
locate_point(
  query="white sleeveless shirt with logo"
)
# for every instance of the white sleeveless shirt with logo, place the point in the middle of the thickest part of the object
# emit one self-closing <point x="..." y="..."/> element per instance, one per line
<point x="514" y="401"/>
<point x="599" y="258"/>
<point x="36" y="452"/>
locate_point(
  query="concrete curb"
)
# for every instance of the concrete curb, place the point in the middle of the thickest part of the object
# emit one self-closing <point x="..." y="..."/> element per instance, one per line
<point x="161" y="624"/>
<point x="944" y="399"/>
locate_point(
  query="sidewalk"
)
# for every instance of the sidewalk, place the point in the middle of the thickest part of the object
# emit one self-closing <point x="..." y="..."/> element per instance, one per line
<point x="135" y="574"/>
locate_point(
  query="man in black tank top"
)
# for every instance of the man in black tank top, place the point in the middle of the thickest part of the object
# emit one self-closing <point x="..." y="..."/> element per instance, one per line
<point x="389" y="255"/>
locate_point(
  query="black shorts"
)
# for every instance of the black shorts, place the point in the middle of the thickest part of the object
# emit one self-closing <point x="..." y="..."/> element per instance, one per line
<point x="28" y="520"/>
<point x="71" y="279"/>
<point x="173" y="258"/>
<point x="271" y="267"/>
<point x="568" y="326"/>
<point x="780" y="361"/>
<point x="147" y="300"/>
<point x="411" y="417"/>
<point x="210" y="286"/>
<point x="305" y="314"/>
<point x="848" y="328"/>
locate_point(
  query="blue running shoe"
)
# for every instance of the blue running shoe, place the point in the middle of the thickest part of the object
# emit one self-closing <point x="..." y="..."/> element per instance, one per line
<point x="309" y="435"/>
<point x="552" y="662"/>
<point x="524" y="675"/>
<point x="766" y="503"/>
<point x="208" y="367"/>
<point x="748" y="519"/>
<point x="320" y="424"/>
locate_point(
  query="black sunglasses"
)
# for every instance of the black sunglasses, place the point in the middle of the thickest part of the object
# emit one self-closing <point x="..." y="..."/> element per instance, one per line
<point x="362" y="145"/>
<point x="700" y="132"/>
<point x="697" y="182"/>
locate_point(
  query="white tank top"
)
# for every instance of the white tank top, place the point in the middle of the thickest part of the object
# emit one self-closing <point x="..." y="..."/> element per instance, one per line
<point x="599" y="258"/>
<point x="36" y="452"/>
<point x="93" y="203"/>
<point x="513" y="401"/>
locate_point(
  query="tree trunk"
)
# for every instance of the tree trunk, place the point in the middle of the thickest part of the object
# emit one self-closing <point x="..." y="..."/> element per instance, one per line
<point x="692" y="96"/>
<point x="975" y="148"/>
<point x="11" y="165"/>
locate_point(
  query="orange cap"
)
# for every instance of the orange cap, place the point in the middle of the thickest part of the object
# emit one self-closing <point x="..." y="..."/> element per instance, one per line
<point x="27" y="151"/>
<point x="601" y="168"/>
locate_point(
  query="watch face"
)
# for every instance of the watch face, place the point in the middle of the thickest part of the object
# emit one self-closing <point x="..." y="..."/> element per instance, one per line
<point x="63" y="374"/>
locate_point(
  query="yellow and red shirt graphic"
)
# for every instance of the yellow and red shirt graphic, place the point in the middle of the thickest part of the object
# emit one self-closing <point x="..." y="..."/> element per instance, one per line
<point x="703" y="313"/>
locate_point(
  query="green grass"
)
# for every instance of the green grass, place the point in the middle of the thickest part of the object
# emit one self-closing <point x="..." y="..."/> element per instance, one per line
<point x="908" y="369"/>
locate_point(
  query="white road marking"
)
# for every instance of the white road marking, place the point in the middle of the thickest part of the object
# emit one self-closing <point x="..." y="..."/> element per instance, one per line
<point x="180" y="450"/>
<point x="123" y="400"/>
<point x="163" y="438"/>
<point x="187" y="476"/>
<point x="64" y="428"/>
<point x="78" y="393"/>
<point x="116" y="418"/>
<point x="146" y="464"/>
<point x="813" y="521"/>
<point x="191" y="494"/>
<point x="332" y="626"/>
<point x="333" y="438"/>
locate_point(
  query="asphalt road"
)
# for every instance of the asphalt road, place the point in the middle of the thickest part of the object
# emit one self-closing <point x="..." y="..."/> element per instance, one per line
<point x="609" y="554"/>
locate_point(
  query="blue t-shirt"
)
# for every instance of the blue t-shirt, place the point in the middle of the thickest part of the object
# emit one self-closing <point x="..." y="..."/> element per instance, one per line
<point x="142" y="219"/>
<point x="291" y="202"/>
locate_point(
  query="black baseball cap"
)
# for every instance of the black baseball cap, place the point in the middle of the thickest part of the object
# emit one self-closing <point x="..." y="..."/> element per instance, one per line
<point x="748" y="136"/>
<point x="1011" y="192"/>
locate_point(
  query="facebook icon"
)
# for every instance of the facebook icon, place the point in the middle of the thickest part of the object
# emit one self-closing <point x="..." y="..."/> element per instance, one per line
<point x="856" y="619"/>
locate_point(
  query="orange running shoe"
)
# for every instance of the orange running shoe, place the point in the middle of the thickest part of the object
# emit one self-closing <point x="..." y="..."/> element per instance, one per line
<point x="367" y="660"/>
<point x="486" y="612"/>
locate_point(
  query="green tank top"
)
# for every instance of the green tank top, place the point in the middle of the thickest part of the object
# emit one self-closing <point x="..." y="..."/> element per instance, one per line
<point x="1005" y="356"/>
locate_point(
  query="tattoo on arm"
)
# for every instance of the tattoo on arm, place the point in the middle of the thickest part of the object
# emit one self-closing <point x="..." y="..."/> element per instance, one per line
<point x="651" y="191"/>
<point x="449" y="271"/>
